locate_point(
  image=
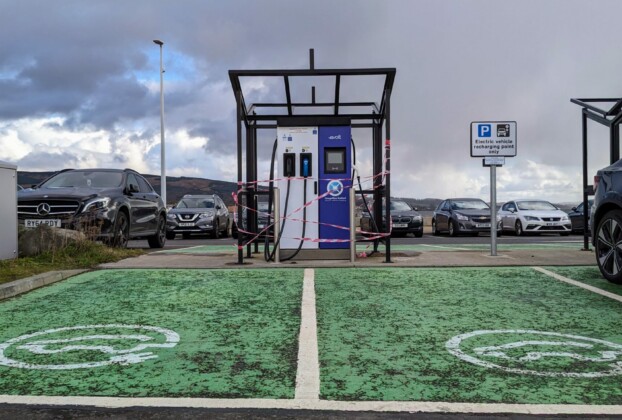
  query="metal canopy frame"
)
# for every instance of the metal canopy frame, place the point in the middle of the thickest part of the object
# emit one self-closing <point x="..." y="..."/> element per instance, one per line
<point x="369" y="114"/>
<point x="610" y="117"/>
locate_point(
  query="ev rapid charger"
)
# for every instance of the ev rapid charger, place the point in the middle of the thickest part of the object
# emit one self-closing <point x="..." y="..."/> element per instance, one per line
<point x="322" y="157"/>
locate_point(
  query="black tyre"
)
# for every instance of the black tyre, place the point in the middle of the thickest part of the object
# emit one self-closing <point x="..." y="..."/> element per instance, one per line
<point x="435" y="230"/>
<point x="159" y="238"/>
<point x="608" y="246"/>
<point x="418" y="234"/>
<point x="518" y="228"/>
<point x="216" y="233"/>
<point x="170" y="235"/>
<point x="453" y="228"/>
<point x="225" y="233"/>
<point x="121" y="233"/>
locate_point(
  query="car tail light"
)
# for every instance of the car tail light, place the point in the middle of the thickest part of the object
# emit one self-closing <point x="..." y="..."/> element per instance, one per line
<point x="596" y="182"/>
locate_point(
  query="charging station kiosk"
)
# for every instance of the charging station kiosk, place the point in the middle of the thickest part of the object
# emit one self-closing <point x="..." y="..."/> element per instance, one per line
<point x="312" y="165"/>
<point x="314" y="180"/>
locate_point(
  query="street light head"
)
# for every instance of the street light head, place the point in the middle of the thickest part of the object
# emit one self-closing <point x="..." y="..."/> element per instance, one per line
<point x="157" y="41"/>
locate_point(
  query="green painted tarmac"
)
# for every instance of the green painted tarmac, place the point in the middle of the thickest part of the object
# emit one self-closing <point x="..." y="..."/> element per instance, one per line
<point x="510" y="335"/>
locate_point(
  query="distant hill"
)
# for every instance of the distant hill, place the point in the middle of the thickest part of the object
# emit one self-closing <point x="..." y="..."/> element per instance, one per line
<point x="176" y="187"/>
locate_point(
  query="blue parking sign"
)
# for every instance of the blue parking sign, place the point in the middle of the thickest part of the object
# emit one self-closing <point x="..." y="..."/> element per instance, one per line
<point x="484" y="130"/>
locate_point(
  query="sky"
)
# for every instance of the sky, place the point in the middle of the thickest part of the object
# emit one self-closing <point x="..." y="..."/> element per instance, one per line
<point x="80" y="84"/>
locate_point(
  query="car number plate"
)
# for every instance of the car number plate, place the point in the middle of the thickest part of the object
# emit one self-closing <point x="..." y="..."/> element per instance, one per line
<point x="186" y="224"/>
<point x="32" y="223"/>
<point x="400" y="225"/>
<point x="261" y="226"/>
<point x="551" y="224"/>
<point x="482" y="225"/>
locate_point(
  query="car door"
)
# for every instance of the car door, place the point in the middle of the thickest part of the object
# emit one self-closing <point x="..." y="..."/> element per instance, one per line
<point x="140" y="218"/>
<point x="151" y="203"/>
<point x="509" y="216"/>
<point x="443" y="216"/>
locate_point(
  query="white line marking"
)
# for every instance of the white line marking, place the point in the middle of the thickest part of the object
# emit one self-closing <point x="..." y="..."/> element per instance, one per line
<point x="447" y="247"/>
<point x="378" y="406"/>
<point x="579" y="284"/>
<point x="308" y="374"/>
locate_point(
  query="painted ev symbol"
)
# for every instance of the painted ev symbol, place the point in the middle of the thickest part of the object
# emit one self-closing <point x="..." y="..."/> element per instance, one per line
<point x="334" y="188"/>
<point x="538" y="353"/>
<point x="86" y="346"/>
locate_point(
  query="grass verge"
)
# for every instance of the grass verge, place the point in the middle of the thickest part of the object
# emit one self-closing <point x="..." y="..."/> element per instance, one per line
<point x="84" y="254"/>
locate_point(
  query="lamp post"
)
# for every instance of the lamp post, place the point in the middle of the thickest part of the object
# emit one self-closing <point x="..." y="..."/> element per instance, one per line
<point x="162" y="147"/>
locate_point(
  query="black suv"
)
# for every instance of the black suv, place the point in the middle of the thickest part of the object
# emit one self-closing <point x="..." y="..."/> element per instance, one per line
<point x="118" y="204"/>
<point x="201" y="214"/>
<point x="606" y="221"/>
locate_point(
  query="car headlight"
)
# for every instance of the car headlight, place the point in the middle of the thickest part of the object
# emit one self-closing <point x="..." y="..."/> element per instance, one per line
<point x="565" y="218"/>
<point x="170" y="216"/>
<point x="461" y="216"/>
<point x="418" y="218"/>
<point x="531" y="218"/>
<point x="206" y="215"/>
<point x="97" y="204"/>
<point x="498" y="218"/>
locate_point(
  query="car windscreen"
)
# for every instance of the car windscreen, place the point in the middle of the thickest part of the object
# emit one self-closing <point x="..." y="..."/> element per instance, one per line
<point x="400" y="206"/>
<point x="535" y="205"/>
<point x="195" y="203"/>
<point x="469" y="205"/>
<point x="85" y="179"/>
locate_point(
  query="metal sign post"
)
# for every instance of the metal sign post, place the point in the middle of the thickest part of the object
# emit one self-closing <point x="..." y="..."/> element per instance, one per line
<point x="494" y="141"/>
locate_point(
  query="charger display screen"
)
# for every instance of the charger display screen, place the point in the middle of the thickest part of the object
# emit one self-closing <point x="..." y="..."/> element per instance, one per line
<point x="335" y="160"/>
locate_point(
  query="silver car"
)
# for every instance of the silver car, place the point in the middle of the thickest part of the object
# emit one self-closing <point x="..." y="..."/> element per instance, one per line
<point x="534" y="216"/>
<point x="198" y="214"/>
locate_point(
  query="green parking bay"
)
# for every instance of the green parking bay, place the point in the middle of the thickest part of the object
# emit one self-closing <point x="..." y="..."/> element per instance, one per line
<point x="510" y="335"/>
<point x="192" y="333"/>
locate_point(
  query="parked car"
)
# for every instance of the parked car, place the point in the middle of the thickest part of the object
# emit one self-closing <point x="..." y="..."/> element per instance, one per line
<point x="118" y="205"/>
<point x="462" y="215"/>
<point x="198" y="214"/>
<point x="262" y="221"/>
<point x="606" y="221"/>
<point x="576" y="217"/>
<point x="405" y="220"/>
<point x="534" y="216"/>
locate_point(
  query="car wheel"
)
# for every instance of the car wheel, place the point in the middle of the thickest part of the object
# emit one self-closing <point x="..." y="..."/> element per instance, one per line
<point x="159" y="239"/>
<point x="228" y="229"/>
<point x="216" y="233"/>
<point x="121" y="234"/>
<point x="608" y="244"/>
<point x="518" y="228"/>
<point x="453" y="229"/>
<point x="418" y="234"/>
<point x="170" y="235"/>
<point x="435" y="231"/>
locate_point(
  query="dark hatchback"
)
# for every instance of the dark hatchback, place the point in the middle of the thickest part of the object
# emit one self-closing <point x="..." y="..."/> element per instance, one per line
<point x="462" y="215"/>
<point x="113" y="205"/>
<point x="405" y="220"/>
<point x="262" y="222"/>
<point x="606" y="221"/>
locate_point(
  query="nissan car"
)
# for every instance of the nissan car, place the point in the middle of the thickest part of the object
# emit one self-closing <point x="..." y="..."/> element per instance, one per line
<point x="198" y="214"/>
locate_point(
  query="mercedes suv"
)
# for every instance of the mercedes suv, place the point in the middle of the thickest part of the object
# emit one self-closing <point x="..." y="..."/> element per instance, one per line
<point x="116" y="204"/>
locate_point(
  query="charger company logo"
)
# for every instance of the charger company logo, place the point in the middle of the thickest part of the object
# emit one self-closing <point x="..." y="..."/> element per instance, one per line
<point x="334" y="188"/>
<point x="86" y="346"/>
<point x="337" y="137"/>
<point x="538" y="353"/>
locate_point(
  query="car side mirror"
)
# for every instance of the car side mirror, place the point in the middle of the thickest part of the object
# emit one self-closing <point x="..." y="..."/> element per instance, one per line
<point x="574" y="209"/>
<point x="133" y="188"/>
<point x="218" y="207"/>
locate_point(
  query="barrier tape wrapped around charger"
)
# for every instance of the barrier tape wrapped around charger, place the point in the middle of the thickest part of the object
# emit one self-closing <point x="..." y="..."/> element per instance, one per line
<point x="264" y="232"/>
